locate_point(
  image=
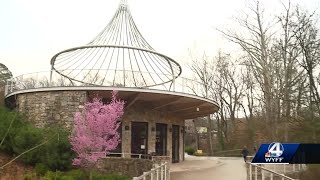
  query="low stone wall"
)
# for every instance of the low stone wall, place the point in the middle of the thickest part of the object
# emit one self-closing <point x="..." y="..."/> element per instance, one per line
<point x="124" y="166"/>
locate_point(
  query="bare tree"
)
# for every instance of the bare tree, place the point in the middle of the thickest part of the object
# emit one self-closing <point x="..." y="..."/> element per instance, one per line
<point x="285" y="52"/>
<point x="223" y="83"/>
<point x="232" y="84"/>
<point x="5" y="74"/>
<point x="256" y="44"/>
<point x="306" y="33"/>
<point x="307" y="36"/>
<point x="203" y="70"/>
<point x="249" y="83"/>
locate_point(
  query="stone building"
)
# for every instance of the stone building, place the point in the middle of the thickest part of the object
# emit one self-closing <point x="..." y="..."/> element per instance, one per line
<point x="119" y="58"/>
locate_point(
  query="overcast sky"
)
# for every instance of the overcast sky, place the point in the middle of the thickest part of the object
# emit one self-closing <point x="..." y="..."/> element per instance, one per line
<point x="33" y="31"/>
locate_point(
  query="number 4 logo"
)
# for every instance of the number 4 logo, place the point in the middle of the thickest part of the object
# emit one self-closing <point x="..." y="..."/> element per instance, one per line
<point x="275" y="149"/>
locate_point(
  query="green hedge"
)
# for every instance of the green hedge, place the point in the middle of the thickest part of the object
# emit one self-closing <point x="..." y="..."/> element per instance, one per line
<point x="56" y="154"/>
<point x="6" y="117"/>
<point x="74" y="175"/>
<point x="190" y="150"/>
<point x="49" y="159"/>
<point x="79" y="174"/>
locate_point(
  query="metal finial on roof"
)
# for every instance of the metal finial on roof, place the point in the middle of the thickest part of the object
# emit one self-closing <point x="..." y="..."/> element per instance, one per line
<point x="124" y="3"/>
<point x="118" y="56"/>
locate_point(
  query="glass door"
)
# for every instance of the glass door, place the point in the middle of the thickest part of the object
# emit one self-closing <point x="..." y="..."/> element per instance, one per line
<point x="161" y="139"/>
<point x="139" y="138"/>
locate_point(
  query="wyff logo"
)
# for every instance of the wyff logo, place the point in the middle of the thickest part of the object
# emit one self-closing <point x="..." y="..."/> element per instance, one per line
<point x="275" y="153"/>
<point x="275" y="150"/>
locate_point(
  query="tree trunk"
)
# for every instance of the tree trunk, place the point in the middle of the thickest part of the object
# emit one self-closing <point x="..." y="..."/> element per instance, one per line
<point x="196" y="135"/>
<point x="209" y="136"/>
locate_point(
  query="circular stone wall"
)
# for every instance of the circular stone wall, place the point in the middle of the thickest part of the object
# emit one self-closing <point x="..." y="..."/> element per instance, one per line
<point x="58" y="107"/>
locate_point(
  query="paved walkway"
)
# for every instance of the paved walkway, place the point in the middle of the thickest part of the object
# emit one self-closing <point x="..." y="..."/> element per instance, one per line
<point x="209" y="168"/>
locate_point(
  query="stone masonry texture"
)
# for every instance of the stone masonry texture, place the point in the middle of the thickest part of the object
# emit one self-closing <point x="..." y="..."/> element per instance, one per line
<point x="52" y="107"/>
<point x="124" y="166"/>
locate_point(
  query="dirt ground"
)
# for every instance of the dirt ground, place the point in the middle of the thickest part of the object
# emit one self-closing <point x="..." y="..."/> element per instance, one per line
<point x="14" y="171"/>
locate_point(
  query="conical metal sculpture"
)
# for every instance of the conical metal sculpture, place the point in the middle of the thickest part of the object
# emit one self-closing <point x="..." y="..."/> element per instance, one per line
<point x="118" y="56"/>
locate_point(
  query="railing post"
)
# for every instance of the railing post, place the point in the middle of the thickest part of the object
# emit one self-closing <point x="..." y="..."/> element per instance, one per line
<point x="11" y="86"/>
<point x="262" y="173"/>
<point x="271" y="176"/>
<point x="256" y="172"/>
<point x="161" y="171"/>
<point x="157" y="173"/>
<point x="182" y="82"/>
<point x="152" y="170"/>
<point x="165" y="172"/>
<point x="139" y="156"/>
<point x="294" y="167"/>
<point x="50" y="83"/>
<point x="250" y="172"/>
<point x="6" y="89"/>
<point x="284" y="168"/>
<point x="145" y="176"/>
<point x="174" y="83"/>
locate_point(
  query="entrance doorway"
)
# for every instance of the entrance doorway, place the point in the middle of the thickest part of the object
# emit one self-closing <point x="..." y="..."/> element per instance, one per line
<point x="139" y="138"/>
<point x="161" y="139"/>
<point x="175" y="143"/>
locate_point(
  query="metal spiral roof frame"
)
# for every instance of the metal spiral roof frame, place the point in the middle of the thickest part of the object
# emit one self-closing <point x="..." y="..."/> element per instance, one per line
<point x="118" y="56"/>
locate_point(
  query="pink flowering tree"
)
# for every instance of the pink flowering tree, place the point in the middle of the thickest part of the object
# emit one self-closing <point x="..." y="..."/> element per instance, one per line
<point x="95" y="130"/>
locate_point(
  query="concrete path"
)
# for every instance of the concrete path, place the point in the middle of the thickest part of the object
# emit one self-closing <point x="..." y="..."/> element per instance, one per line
<point x="209" y="168"/>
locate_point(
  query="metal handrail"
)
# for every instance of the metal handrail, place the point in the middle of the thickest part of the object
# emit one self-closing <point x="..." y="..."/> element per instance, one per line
<point x="157" y="173"/>
<point x="48" y="71"/>
<point x="131" y="154"/>
<point x="42" y="79"/>
<point x="162" y="74"/>
<point x="271" y="171"/>
<point x="139" y="155"/>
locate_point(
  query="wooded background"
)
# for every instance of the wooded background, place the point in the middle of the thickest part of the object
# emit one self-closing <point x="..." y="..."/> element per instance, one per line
<point x="270" y="90"/>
